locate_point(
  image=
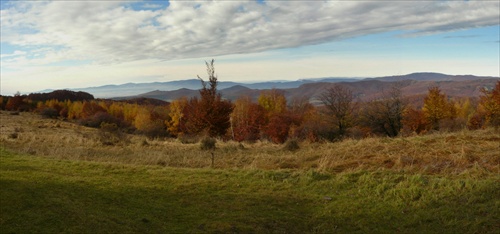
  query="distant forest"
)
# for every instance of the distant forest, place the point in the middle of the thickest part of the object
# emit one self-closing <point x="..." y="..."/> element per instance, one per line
<point x="337" y="114"/>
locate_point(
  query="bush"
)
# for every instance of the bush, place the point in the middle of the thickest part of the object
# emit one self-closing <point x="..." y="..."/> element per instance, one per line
<point x="49" y="113"/>
<point x="154" y="129"/>
<point x="452" y="125"/>
<point x="99" y="118"/>
<point x="13" y="135"/>
<point x="208" y="143"/>
<point x="188" y="139"/>
<point x="292" y="145"/>
<point x="110" y="134"/>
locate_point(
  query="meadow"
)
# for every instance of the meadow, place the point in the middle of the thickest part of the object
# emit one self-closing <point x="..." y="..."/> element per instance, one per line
<point x="57" y="176"/>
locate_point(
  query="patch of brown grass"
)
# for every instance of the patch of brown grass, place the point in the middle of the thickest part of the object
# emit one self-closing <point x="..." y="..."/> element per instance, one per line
<point x="438" y="153"/>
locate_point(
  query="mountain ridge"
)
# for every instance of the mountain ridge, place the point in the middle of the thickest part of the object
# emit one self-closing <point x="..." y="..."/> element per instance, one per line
<point x="364" y="90"/>
<point x="189" y="87"/>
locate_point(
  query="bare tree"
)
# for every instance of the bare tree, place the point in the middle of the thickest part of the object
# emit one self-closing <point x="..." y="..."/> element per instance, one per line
<point x="339" y="102"/>
<point x="385" y="115"/>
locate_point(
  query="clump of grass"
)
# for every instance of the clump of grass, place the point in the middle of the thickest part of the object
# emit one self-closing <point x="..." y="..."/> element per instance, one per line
<point x="291" y="145"/>
<point x="144" y="142"/>
<point x="110" y="134"/>
<point x="188" y="139"/>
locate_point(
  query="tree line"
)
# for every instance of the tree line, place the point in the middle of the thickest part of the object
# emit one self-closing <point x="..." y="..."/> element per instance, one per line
<point x="271" y="116"/>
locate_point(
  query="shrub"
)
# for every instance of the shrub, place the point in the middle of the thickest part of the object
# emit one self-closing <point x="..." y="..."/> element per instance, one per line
<point x="110" y="134"/>
<point x="154" y="129"/>
<point x="13" y="135"/>
<point x="208" y="143"/>
<point x="452" y="125"/>
<point x="291" y="145"/>
<point x="99" y="118"/>
<point x="49" y="113"/>
<point x="187" y="138"/>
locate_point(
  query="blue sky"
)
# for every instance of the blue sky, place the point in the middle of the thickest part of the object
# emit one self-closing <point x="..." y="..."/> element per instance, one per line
<point x="76" y="44"/>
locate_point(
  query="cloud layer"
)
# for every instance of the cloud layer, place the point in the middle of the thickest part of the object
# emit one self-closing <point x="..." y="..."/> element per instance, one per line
<point x="115" y="32"/>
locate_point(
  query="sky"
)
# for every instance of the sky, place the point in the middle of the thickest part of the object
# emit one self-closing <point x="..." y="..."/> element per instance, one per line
<point x="77" y="44"/>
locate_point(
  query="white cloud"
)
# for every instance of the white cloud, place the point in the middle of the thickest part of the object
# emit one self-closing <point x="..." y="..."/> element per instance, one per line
<point x="110" y="32"/>
<point x="14" y="54"/>
<point x="229" y="68"/>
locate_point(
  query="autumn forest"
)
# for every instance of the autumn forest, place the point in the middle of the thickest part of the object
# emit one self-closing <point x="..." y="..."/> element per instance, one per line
<point x="272" y="117"/>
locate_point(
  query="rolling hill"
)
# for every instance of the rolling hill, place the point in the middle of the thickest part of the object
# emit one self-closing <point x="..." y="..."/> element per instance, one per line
<point x="414" y="84"/>
<point x="364" y="90"/>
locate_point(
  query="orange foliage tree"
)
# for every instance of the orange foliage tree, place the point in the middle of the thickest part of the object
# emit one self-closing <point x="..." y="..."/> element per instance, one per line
<point x="278" y="120"/>
<point x="150" y="121"/>
<point x="414" y="120"/>
<point x="490" y="104"/>
<point x="210" y="113"/>
<point x="247" y="119"/>
<point x="437" y="108"/>
<point x="16" y="103"/>
<point x="302" y="113"/>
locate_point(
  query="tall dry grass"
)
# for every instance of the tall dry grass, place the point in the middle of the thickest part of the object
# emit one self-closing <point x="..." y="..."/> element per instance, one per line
<point x="438" y="153"/>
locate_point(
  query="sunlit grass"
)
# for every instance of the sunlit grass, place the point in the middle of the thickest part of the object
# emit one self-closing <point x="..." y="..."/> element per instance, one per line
<point x="52" y="195"/>
<point x="56" y="176"/>
<point x="439" y="153"/>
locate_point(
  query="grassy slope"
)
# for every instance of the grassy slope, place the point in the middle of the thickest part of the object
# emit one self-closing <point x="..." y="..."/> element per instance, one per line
<point x="437" y="153"/>
<point x="48" y="195"/>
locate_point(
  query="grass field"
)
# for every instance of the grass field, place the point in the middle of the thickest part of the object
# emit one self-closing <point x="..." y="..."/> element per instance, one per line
<point x="52" y="196"/>
<point x="439" y="153"/>
<point x="439" y="183"/>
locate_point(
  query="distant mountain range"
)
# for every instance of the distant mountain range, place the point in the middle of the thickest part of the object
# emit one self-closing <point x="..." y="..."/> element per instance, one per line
<point x="138" y="89"/>
<point x="364" y="89"/>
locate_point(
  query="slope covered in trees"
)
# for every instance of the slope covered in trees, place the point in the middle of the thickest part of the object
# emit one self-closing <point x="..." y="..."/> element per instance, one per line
<point x="323" y="111"/>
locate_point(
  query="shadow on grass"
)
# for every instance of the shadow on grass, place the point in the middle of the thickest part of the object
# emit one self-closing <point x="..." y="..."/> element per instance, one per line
<point x="40" y="195"/>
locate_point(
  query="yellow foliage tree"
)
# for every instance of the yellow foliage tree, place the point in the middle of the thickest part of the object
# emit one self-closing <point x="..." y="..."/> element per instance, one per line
<point x="116" y="110"/>
<point x="273" y="101"/>
<point x="75" y="110"/>
<point x="176" y="114"/>
<point x="490" y="103"/>
<point x="143" y="119"/>
<point x="437" y="107"/>
<point x="130" y="112"/>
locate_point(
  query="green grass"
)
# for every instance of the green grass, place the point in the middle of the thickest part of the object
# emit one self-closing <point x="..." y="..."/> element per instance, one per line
<point x="52" y="196"/>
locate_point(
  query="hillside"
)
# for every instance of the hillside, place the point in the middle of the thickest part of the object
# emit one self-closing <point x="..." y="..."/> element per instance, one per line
<point x="59" y="177"/>
<point x="131" y="90"/>
<point x="429" y="76"/>
<point x="433" y="154"/>
<point x="365" y="90"/>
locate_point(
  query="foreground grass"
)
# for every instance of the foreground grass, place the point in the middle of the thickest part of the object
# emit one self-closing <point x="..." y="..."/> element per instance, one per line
<point x="46" y="195"/>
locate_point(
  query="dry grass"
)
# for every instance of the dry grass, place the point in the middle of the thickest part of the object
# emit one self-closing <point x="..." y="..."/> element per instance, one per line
<point x="439" y="153"/>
